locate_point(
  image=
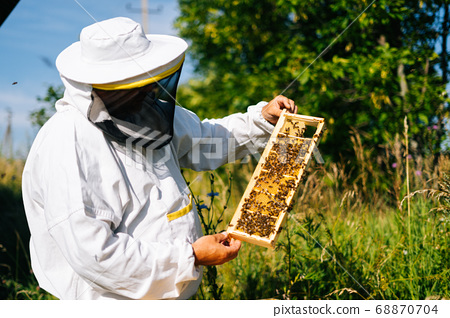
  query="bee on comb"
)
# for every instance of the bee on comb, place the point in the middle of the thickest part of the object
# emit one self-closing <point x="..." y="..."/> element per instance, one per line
<point x="261" y="213"/>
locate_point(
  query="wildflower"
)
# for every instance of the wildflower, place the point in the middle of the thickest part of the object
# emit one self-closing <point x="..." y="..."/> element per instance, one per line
<point x="394" y="165"/>
<point x="418" y="173"/>
<point x="409" y="157"/>
<point x="429" y="128"/>
<point x="213" y="194"/>
<point x="435" y="127"/>
<point x="405" y="252"/>
<point x="202" y="206"/>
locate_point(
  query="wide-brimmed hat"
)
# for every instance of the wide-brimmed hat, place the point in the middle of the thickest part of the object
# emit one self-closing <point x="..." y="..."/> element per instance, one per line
<point x="118" y="49"/>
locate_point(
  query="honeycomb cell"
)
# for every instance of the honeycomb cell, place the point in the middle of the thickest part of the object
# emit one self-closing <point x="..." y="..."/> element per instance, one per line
<point x="269" y="195"/>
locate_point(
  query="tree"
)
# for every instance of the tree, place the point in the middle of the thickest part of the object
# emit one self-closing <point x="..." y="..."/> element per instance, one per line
<point x="382" y="68"/>
<point x="40" y="116"/>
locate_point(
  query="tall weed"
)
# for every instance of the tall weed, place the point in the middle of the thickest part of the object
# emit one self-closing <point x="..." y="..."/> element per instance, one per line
<point x="346" y="238"/>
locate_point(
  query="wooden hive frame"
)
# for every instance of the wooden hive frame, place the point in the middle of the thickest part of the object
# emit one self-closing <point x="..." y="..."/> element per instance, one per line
<point x="274" y="184"/>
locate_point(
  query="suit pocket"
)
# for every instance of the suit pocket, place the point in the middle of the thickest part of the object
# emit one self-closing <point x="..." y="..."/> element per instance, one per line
<point x="185" y="224"/>
<point x="178" y="214"/>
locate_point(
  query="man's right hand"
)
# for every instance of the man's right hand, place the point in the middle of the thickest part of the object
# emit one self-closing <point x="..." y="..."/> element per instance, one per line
<point x="215" y="249"/>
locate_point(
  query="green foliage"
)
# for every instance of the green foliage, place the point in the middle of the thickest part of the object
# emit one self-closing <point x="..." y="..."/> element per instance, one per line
<point x="339" y="245"/>
<point x="345" y="239"/>
<point x="383" y="67"/>
<point x="211" y="222"/>
<point x="12" y="289"/>
<point x="40" y="116"/>
<point x="16" y="280"/>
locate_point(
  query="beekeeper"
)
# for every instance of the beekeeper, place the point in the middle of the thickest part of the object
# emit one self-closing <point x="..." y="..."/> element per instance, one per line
<point x="109" y="212"/>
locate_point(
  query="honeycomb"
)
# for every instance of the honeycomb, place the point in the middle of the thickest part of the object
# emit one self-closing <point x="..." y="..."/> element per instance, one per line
<point x="269" y="195"/>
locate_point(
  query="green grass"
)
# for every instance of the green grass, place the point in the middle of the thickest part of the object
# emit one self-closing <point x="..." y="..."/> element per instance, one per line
<point x="363" y="254"/>
<point x="346" y="238"/>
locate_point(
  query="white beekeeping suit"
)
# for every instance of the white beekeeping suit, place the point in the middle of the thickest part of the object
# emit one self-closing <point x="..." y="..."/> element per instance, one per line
<point x="109" y="212"/>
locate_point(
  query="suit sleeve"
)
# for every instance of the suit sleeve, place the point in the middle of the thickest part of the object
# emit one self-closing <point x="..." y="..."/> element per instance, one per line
<point x="208" y="144"/>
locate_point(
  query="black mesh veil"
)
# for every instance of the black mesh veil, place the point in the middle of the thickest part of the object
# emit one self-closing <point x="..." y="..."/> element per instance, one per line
<point x="139" y="116"/>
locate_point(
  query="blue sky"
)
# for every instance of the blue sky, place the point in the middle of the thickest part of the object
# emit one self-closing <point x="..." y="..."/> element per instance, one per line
<point x="36" y="32"/>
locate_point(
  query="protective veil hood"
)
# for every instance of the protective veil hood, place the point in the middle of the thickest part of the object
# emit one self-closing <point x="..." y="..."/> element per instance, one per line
<point x="131" y="80"/>
<point x="140" y="116"/>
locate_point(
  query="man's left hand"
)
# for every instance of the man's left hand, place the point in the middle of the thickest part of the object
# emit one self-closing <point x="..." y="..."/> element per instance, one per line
<point x="272" y="111"/>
